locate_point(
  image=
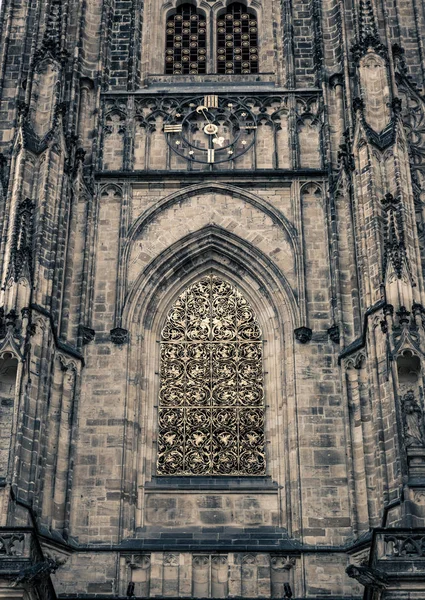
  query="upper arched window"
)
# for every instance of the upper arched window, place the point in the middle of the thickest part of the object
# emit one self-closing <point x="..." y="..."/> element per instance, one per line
<point x="211" y="400"/>
<point x="237" y="41"/>
<point x="186" y="47"/>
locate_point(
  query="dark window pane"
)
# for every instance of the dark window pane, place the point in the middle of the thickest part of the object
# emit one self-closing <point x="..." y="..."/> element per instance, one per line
<point x="185" y="42"/>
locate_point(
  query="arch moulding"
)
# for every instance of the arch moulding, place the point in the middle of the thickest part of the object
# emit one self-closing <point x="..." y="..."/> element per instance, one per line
<point x="217" y="251"/>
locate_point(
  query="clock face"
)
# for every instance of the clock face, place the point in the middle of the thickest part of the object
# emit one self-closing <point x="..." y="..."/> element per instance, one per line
<point x="210" y="130"/>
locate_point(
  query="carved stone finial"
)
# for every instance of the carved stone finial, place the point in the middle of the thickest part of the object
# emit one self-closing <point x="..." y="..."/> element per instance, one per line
<point x="396" y="105"/>
<point x="418" y="309"/>
<point x="303" y="334"/>
<point x="119" y="336"/>
<point x="358" y="105"/>
<point x="388" y="310"/>
<point x="88" y="334"/>
<point x="403" y="315"/>
<point x="334" y="334"/>
<point x="11" y="318"/>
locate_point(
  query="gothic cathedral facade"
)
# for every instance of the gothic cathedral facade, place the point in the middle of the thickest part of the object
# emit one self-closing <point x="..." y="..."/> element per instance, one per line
<point x="212" y="304"/>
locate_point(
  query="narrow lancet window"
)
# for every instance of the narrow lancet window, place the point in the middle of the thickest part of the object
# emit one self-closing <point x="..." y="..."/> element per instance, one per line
<point x="237" y="41"/>
<point x="211" y="405"/>
<point x="8" y="373"/>
<point x="186" y="49"/>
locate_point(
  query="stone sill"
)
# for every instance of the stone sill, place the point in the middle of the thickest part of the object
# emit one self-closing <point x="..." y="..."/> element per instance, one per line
<point x="202" y="81"/>
<point x="223" y="483"/>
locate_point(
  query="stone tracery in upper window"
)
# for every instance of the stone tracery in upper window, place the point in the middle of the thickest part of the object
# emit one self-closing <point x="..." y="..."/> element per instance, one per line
<point x="234" y="49"/>
<point x="237" y="41"/>
<point x="186" y="36"/>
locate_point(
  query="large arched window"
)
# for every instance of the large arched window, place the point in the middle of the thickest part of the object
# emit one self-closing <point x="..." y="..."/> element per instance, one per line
<point x="237" y="41"/>
<point x="186" y="52"/>
<point x="211" y="405"/>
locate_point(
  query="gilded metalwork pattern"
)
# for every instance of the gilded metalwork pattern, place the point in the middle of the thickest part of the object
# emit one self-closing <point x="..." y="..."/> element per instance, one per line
<point x="211" y="406"/>
<point x="237" y="41"/>
<point x="185" y="51"/>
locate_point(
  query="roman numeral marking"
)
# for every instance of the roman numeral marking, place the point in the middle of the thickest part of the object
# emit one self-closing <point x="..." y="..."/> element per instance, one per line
<point x="211" y="101"/>
<point x="173" y="128"/>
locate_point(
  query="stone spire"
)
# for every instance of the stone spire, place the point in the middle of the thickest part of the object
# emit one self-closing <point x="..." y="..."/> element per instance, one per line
<point x="53" y="32"/>
<point x="368" y="35"/>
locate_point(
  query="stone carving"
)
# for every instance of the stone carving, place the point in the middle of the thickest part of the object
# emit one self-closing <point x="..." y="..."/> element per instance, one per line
<point x="201" y="580"/>
<point x="200" y="560"/>
<point x="368" y="577"/>
<point x="279" y="562"/>
<point x="8" y="544"/>
<point x="412" y="421"/>
<point x="37" y="572"/>
<point x="87" y="334"/>
<point x="303" y="334"/>
<point x="219" y="576"/>
<point x="280" y="566"/>
<point x="334" y="334"/>
<point x="394" y="237"/>
<point x="138" y="561"/>
<point x="171" y="559"/>
<point x="211" y="415"/>
<point x="249" y="559"/>
<point x="219" y="559"/>
<point x="119" y="336"/>
<point x="21" y="248"/>
<point x="404" y="546"/>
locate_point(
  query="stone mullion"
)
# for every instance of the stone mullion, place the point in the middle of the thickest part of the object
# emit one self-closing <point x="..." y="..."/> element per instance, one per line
<point x="88" y="272"/>
<point x="14" y="196"/>
<point x="56" y="396"/>
<point x="211" y="406"/>
<point x="63" y="448"/>
<point x="360" y="508"/>
<point x="237" y="405"/>
<point x="31" y="432"/>
<point x="288" y="43"/>
<point x="369" y="444"/>
<point x="72" y="313"/>
<point x="65" y="216"/>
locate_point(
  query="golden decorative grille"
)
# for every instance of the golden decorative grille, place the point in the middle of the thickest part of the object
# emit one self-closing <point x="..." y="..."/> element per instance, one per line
<point x="211" y="405"/>
<point x="237" y="41"/>
<point x="185" y="52"/>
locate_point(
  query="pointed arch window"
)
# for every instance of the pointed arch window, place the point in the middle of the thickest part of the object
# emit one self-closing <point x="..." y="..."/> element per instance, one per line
<point x="211" y="404"/>
<point x="8" y="375"/>
<point x="186" y="42"/>
<point x="237" y="41"/>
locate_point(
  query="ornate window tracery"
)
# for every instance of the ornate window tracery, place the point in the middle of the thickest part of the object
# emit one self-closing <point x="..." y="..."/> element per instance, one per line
<point x="211" y="399"/>
<point x="237" y="41"/>
<point x="185" y="51"/>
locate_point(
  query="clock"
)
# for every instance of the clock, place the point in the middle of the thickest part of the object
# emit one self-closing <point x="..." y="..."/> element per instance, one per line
<point x="210" y="130"/>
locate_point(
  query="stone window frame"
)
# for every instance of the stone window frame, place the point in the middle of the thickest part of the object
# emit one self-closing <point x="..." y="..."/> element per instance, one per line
<point x="156" y="63"/>
<point x="149" y="297"/>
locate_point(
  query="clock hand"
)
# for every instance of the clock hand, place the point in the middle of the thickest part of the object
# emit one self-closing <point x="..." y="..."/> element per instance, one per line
<point x="210" y="128"/>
